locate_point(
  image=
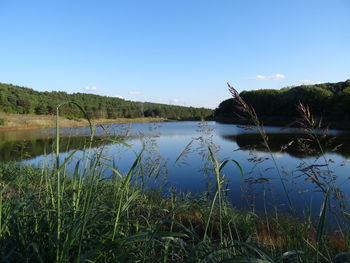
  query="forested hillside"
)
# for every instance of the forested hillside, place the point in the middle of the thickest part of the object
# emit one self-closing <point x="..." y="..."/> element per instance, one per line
<point x="15" y="99"/>
<point x="331" y="101"/>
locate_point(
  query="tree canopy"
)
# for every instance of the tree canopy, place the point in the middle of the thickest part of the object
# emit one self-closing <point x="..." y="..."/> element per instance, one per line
<point x="15" y="99"/>
<point x="330" y="101"/>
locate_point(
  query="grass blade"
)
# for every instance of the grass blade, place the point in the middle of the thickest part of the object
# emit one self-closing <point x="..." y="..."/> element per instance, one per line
<point x="321" y="223"/>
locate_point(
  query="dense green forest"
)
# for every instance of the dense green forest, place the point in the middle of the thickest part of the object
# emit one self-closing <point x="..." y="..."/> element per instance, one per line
<point x="15" y="99"/>
<point x="329" y="101"/>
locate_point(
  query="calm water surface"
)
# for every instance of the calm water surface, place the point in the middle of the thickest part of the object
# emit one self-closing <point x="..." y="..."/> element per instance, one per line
<point x="191" y="173"/>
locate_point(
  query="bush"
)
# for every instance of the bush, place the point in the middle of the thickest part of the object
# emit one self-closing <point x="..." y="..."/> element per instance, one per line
<point x="73" y="118"/>
<point x="3" y="121"/>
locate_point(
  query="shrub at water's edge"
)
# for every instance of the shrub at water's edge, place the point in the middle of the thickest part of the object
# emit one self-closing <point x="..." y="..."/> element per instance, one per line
<point x="3" y="121"/>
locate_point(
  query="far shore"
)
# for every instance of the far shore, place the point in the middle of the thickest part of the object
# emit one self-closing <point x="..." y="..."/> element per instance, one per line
<point x="285" y="122"/>
<point x="31" y="122"/>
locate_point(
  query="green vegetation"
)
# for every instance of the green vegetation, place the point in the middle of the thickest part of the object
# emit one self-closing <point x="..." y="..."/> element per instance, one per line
<point x="114" y="221"/>
<point x="2" y="121"/>
<point x="14" y="99"/>
<point x="329" y="101"/>
<point x="85" y="217"/>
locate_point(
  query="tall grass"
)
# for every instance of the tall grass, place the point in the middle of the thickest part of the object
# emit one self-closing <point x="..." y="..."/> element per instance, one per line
<point x="95" y="213"/>
<point x="251" y="115"/>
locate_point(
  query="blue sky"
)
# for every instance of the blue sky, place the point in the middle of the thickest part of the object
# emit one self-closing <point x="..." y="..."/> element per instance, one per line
<point x="180" y="51"/>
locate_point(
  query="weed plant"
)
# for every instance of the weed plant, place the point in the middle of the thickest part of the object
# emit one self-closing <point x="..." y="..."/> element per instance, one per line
<point x="3" y="121"/>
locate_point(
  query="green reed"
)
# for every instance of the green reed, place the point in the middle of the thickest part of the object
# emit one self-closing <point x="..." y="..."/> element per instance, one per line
<point x="116" y="222"/>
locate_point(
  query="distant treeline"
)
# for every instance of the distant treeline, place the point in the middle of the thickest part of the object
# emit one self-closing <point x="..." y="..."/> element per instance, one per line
<point x="15" y="99"/>
<point x="329" y="101"/>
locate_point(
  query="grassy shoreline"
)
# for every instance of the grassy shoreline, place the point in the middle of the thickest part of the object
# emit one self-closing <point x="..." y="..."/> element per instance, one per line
<point x="31" y="122"/>
<point x="115" y="220"/>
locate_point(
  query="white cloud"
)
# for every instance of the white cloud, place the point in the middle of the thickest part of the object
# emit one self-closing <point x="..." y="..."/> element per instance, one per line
<point x="168" y="101"/>
<point x="309" y="82"/>
<point x="174" y="100"/>
<point x="119" y="97"/>
<point x="209" y="106"/>
<point x="91" y="88"/>
<point x="134" y="92"/>
<point x="273" y="77"/>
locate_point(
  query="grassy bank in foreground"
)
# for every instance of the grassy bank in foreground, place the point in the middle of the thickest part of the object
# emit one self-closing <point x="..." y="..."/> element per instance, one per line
<point x="53" y="216"/>
<point x="32" y="121"/>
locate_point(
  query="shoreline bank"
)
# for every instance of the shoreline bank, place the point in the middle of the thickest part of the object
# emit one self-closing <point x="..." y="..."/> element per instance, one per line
<point x="14" y="122"/>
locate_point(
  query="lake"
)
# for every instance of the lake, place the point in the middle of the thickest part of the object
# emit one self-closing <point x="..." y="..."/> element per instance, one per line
<point x="176" y="154"/>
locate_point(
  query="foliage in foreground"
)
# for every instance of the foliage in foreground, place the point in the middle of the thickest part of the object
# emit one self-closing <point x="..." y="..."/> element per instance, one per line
<point x="114" y="220"/>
